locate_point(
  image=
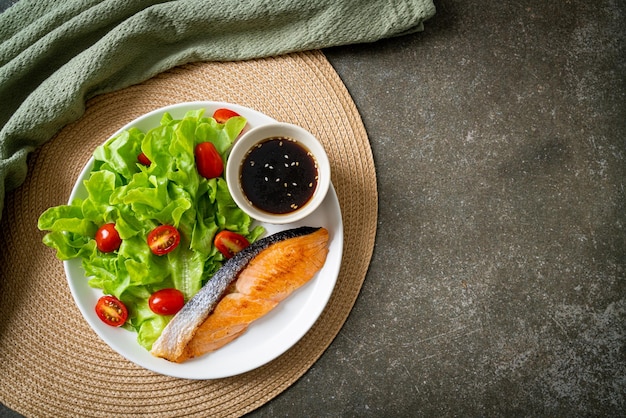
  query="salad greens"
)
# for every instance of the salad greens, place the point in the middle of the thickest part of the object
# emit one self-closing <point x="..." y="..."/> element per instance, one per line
<point x="137" y="199"/>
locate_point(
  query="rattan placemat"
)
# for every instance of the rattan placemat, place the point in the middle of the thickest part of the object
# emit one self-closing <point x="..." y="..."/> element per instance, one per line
<point x="53" y="364"/>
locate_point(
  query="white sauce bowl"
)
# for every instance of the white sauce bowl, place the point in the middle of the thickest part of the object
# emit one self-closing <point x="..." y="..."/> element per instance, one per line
<point x="262" y="133"/>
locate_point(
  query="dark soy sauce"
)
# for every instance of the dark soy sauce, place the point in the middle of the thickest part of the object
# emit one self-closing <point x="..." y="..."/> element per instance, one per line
<point x="279" y="175"/>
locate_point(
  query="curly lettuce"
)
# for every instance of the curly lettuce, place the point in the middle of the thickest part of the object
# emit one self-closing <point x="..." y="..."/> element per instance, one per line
<point x="137" y="199"/>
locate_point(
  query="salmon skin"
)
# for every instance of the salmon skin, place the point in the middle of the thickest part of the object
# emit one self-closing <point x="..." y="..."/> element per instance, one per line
<point x="269" y="270"/>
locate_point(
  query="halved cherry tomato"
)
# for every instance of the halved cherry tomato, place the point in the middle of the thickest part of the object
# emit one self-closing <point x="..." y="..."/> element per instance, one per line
<point x="111" y="311"/>
<point x="208" y="160"/>
<point x="163" y="239"/>
<point x="222" y="115"/>
<point x="166" y="301"/>
<point x="107" y="238"/>
<point x="230" y="243"/>
<point x="143" y="159"/>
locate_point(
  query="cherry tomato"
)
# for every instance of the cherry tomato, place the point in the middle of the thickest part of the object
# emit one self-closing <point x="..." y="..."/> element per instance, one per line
<point x="222" y="115"/>
<point x="107" y="238"/>
<point x="163" y="239"/>
<point x="230" y="243"/>
<point x="111" y="311"/>
<point x="143" y="159"/>
<point x="208" y="160"/>
<point x="166" y="301"/>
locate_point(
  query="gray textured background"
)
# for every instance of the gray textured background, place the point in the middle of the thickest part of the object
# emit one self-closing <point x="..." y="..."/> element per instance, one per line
<point x="498" y="281"/>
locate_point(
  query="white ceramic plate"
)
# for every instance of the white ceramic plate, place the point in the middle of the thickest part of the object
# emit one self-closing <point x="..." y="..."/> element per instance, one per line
<point x="266" y="338"/>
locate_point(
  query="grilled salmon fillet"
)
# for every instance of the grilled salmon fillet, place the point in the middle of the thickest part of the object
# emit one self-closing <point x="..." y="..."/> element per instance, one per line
<point x="253" y="282"/>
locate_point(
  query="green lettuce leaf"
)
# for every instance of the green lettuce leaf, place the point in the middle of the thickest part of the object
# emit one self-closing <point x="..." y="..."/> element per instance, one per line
<point x="137" y="199"/>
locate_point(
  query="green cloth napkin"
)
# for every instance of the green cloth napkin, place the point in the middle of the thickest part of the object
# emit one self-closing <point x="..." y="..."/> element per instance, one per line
<point x="54" y="55"/>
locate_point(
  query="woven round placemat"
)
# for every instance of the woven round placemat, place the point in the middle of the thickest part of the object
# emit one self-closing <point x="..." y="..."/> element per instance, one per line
<point x="53" y="364"/>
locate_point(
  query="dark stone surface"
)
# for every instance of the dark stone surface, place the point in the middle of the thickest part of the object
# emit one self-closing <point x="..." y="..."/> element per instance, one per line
<point x="498" y="281"/>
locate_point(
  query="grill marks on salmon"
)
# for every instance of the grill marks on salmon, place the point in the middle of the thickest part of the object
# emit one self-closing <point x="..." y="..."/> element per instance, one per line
<point x="253" y="283"/>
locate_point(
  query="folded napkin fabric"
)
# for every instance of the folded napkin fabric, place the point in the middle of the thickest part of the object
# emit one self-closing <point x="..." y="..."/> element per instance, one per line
<point x="54" y="55"/>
